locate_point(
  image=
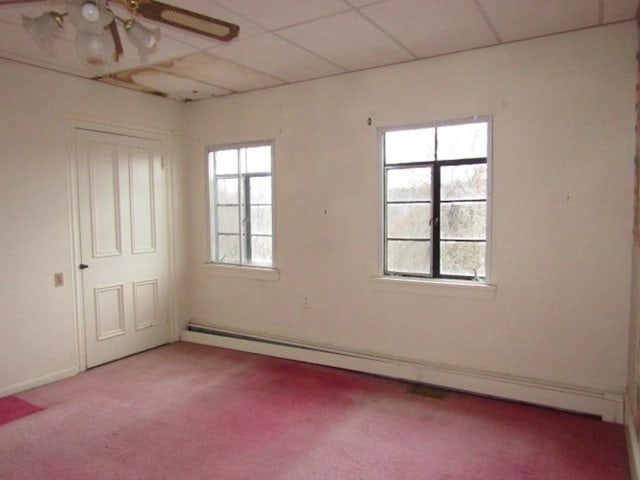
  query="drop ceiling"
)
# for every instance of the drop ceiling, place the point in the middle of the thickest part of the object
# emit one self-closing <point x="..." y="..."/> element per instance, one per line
<point x="288" y="41"/>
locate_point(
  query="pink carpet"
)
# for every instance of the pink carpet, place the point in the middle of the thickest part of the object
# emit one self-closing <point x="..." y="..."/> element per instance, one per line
<point x="12" y="408"/>
<point x="193" y="412"/>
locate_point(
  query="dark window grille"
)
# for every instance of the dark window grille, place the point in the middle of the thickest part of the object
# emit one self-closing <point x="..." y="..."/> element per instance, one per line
<point x="435" y="214"/>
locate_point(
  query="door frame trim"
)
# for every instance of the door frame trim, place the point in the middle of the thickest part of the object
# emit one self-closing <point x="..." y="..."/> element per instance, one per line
<point x="74" y="124"/>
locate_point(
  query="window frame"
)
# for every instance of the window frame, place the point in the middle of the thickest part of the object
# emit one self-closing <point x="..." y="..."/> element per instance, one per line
<point x="435" y="165"/>
<point x="244" y="212"/>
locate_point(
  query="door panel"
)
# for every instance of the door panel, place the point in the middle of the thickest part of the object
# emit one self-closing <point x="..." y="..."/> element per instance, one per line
<point x="123" y="237"/>
<point x="145" y="301"/>
<point x="104" y="191"/>
<point x="143" y="201"/>
<point x="109" y="305"/>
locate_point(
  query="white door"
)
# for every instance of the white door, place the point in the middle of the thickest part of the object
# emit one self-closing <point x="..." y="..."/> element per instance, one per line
<point x="123" y="242"/>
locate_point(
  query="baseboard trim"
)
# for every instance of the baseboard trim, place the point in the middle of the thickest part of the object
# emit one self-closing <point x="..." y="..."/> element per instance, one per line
<point x="605" y="403"/>
<point x="37" y="382"/>
<point x="633" y="450"/>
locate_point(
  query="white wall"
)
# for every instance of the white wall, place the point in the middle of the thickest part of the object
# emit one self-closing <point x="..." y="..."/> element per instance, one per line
<point x="563" y="112"/>
<point x="37" y="331"/>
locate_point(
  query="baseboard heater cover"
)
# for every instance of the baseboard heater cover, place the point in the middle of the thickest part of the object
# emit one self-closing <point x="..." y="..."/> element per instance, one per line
<point x="265" y="340"/>
<point x="607" y="404"/>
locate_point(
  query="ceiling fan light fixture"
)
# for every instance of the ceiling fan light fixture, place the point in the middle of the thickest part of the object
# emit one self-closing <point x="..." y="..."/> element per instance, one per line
<point x="95" y="49"/>
<point x="97" y="27"/>
<point x="145" y="39"/>
<point x="89" y="16"/>
<point x="42" y="28"/>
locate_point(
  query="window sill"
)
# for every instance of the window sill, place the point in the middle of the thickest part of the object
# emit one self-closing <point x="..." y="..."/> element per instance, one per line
<point x="434" y="287"/>
<point x="241" y="271"/>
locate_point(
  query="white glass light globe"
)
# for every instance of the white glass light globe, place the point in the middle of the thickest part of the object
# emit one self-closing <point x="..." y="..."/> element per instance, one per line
<point x="95" y="49"/>
<point x="90" y="12"/>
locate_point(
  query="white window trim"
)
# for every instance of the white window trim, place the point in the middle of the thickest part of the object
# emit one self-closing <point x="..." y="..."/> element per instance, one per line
<point x="434" y="287"/>
<point x="242" y="271"/>
<point x="257" y="272"/>
<point x="426" y="285"/>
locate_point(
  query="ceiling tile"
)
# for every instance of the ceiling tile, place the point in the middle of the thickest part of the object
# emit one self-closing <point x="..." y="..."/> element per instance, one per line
<point x="434" y="27"/>
<point x="276" y="14"/>
<point x="348" y="40"/>
<point x="619" y="10"/>
<point x="148" y="79"/>
<point x="518" y="19"/>
<point x="218" y="71"/>
<point x="37" y="62"/>
<point x="278" y="58"/>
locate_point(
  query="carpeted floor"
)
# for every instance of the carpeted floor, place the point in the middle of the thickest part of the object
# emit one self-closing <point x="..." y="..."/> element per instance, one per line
<point x="13" y="408"/>
<point x="188" y="411"/>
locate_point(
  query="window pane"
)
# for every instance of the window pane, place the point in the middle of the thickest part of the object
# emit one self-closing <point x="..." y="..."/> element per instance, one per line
<point x="261" y="220"/>
<point x="260" y="189"/>
<point x="463" y="220"/>
<point x="261" y="250"/>
<point x="259" y="159"/>
<point x="227" y="189"/>
<point x="409" y="220"/>
<point x="461" y="182"/>
<point x="227" y="220"/>
<point x="226" y="162"/>
<point x="409" y="257"/>
<point x="234" y="238"/>
<point x="409" y="146"/>
<point x="461" y="258"/>
<point x="462" y="141"/>
<point x="228" y="249"/>
<point x="409" y="184"/>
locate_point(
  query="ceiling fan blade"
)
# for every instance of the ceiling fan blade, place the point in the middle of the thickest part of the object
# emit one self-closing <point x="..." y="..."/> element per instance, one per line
<point x="186" y="19"/>
<point x="9" y="2"/>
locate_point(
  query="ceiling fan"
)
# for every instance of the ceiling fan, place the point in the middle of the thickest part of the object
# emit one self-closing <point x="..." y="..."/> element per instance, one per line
<point x="98" y="39"/>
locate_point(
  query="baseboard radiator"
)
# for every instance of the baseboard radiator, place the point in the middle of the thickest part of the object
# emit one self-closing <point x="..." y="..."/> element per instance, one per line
<point x="607" y="404"/>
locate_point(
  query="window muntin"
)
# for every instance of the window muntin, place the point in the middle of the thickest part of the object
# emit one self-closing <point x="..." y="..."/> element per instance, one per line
<point x="435" y="201"/>
<point x="240" y="205"/>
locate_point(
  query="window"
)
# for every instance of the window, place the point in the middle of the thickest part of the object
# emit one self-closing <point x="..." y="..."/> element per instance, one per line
<point x="240" y="205"/>
<point x="435" y="201"/>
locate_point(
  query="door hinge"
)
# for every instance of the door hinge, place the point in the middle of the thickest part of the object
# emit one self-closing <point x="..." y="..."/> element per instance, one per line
<point x="162" y="163"/>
